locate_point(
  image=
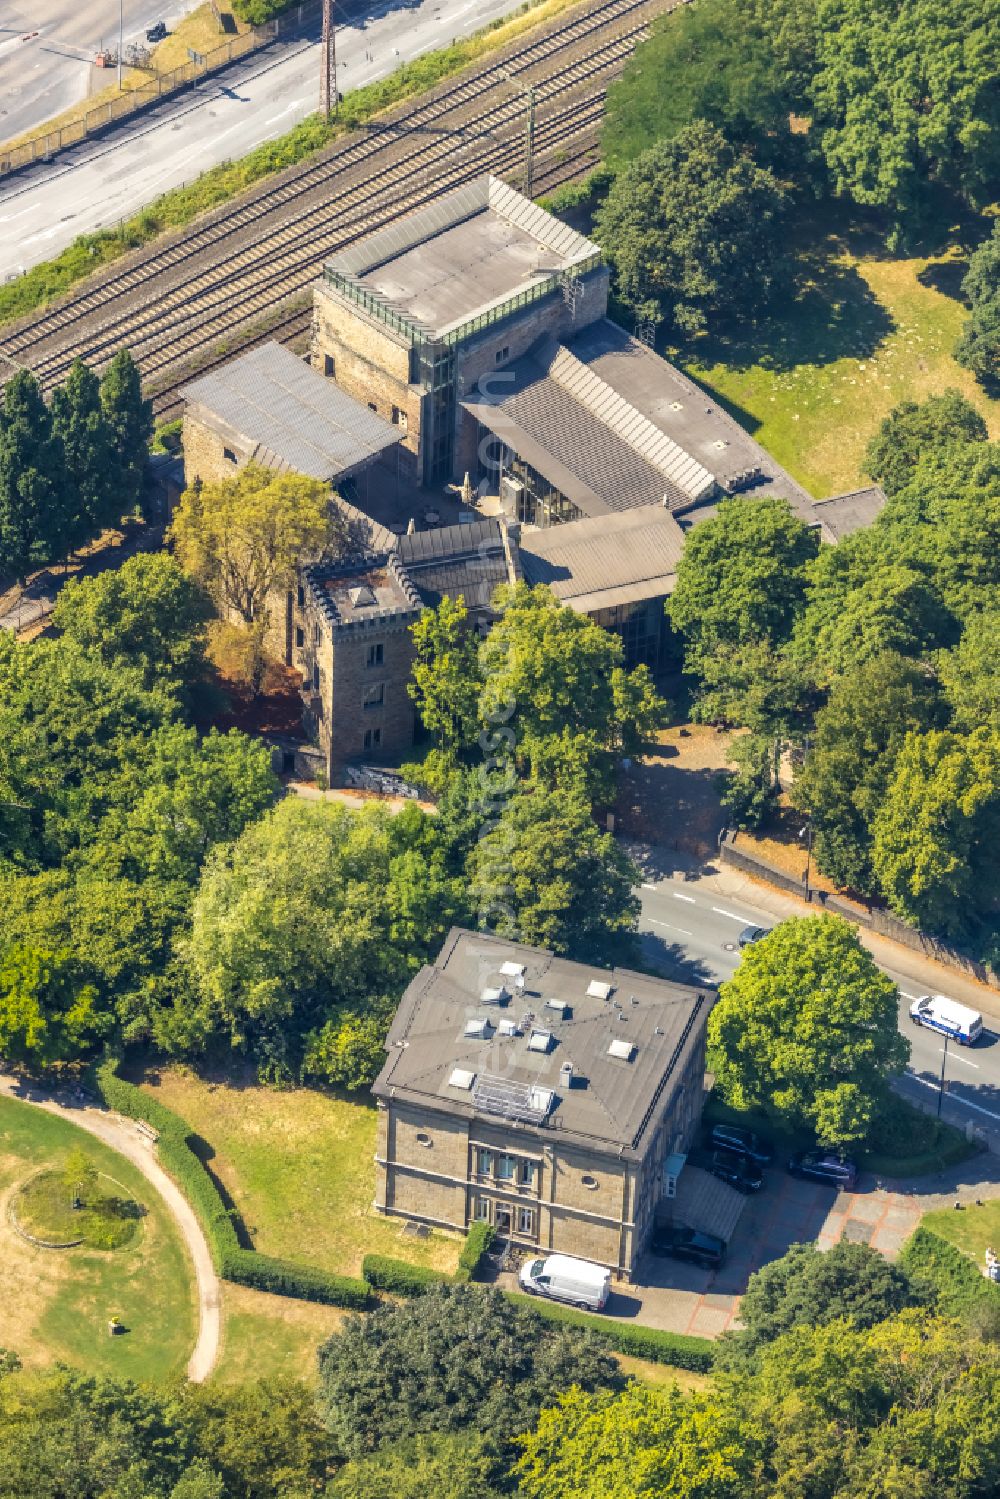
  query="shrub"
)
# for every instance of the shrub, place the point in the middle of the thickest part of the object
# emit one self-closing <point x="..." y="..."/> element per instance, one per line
<point x="677" y="1349"/>
<point x="477" y="1243"/>
<point x="954" y="1279"/>
<point x="904" y="1141"/>
<point x="265" y="1273"/>
<point x="387" y="1274"/>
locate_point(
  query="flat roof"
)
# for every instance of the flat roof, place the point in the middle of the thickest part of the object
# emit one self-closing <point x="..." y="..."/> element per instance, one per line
<point x="446" y="265"/>
<point x="367" y="587"/>
<point x="841" y="514"/>
<point x="600" y="563"/>
<point x="291" y="417"/>
<point x="608" y="1102"/>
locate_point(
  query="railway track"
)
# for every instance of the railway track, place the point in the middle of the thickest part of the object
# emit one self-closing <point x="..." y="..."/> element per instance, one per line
<point x="173" y="303"/>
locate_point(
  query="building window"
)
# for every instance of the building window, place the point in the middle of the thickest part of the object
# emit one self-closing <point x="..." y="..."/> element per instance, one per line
<point x="399" y="418"/>
<point x="423" y="1138"/>
<point x="525" y="1221"/>
<point x="329" y="368"/>
<point x="372" y="406"/>
<point x="502" y="355"/>
<point x="229" y="455"/>
<point x="300" y="637"/>
<point x="484" y="1162"/>
<point x="482" y="1210"/>
<point x="315" y="677"/>
<point x="589" y="1182"/>
<point x="373" y="738"/>
<point x="302" y="597"/>
<point x="526" y="1174"/>
<point x="374" y="696"/>
<point x="506" y="1166"/>
<point x="376" y="654"/>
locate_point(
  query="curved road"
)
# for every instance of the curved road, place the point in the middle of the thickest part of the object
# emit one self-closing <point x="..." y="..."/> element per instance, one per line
<point x="124" y="1136"/>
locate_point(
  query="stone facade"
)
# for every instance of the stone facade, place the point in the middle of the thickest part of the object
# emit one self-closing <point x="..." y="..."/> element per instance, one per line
<point x="210" y="453"/>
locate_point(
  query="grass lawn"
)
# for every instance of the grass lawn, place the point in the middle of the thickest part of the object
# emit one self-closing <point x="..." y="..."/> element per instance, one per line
<point x="860" y="332"/>
<point x="57" y="1302"/>
<point x="970" y="1230"/>
<point x="108" y="1218"/>
<point x="271" y="1336"/>
<point x="299" y="1166"/>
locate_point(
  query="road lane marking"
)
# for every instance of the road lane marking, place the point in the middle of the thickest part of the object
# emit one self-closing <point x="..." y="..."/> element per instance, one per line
<point x="670" y="928"/>
<point x="689" y="898"/>
<point x="942" y="1052"/>
<point x="732" y="915"/>
<point x="926" y="1082"/>
<point x="908" y="996"/>
<point x="649" y="887"/>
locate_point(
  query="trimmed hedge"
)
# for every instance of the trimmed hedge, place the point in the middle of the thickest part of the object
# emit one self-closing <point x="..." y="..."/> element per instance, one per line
<point x="957" y="1284"/>
<point x="678" y="1349"/>
<point x="478" y="1242"/>
<point x="387" y="1274"/>
<point x="245" y="1267"/>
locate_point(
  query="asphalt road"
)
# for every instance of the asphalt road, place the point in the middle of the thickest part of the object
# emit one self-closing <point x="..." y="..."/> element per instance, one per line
<point x="50" y="72"/>
<point x="107" y="180"/>
<point x="691" y="931"/>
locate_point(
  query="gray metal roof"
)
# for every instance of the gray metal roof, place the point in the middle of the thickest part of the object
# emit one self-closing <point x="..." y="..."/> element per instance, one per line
<point x="294" y="418"/>
<point x="707" y="1205"/>
<point x="470" y="560"/>
<point x="610" y="1102"/>
<point x="843" y="513"/>
<point x="599" y="563"/>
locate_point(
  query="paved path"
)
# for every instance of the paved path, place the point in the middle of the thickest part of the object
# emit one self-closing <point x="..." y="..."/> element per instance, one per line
<point x="123" y="1135"/>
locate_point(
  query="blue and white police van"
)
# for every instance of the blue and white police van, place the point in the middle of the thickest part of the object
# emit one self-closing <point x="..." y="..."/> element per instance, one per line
<point x="948" y="1017"/>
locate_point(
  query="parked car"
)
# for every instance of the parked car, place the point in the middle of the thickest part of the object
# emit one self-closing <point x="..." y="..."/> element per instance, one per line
<point x="687" y="1244"/>
<point x="948" y="1017"/>
<point x="740" y="1141"/>
<point x="825" y="1166"/>
<point x="752" y="934"/>
<point x="156" y="33"/>
<point x="738" y="1170"/>
<point x="561" y="1277"/>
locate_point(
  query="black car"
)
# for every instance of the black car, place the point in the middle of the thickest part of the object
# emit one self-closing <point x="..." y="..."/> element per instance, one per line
<point x="738" y="1170"/>
<point x="685" y="1244"/>
<point x="825" y="1166"/>
<point x="752" y="934"/>
<point x="740" y="1141"/>
<point x="156" y="33"/>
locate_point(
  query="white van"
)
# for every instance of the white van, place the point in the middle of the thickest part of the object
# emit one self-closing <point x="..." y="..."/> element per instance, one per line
<point x="564" y="1278"/>
<point x="949" y="1017"/>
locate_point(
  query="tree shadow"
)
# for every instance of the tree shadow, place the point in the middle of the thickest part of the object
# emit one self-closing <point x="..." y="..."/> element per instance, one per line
<point x="945" y="276"/>
<point x="206" y="1154"/>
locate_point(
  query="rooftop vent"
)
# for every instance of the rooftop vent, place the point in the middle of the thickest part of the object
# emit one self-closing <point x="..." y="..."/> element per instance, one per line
<point x="512" y="970"/>
<point x="623" y="1050"/>
<point x="362" y="597"/>
<point x="658" y="1030"/>
<point x="507" y="1028"/>
<point x="460" y="1078"/>
<point x="494" y="995"/>
<point x="539" y="1040"/>
<point x="560" y="1007"/>
<point x="598" y="990"/>
<point x="633" y="1000"/>
<point x="677" y="405"/>
<point x="566" y="1074"/>
<point x="478" y="1028"/>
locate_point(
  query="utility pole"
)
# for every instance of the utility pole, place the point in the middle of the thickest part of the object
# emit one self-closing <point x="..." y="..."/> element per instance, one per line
<point x="808" y="830"/>
<point x="329" y="96"/>
<point x="121" y="39"/>
<point x="944" y="1063"/>
<point x="529" y="133"/>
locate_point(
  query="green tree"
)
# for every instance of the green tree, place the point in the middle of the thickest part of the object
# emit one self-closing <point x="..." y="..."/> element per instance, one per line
<point x="911" y="430"/>
<point x="263" y="1438"/>
<point x="146" y="614"/>
<point x="904" y="101"/>
<point x="978" y="348"/>
<point x="895" y="610"/>
<point x="743" y="67"/>
<point x="244" y="538"/>
<point x="806" y="1028"/>
<point x="692" y="230"/>
<point x="970" y="674"/>
<point x="445" y="684"/>
<point x="809" y="1287"/>
<point x="79" y="1175"/>
<point x="556" y="695"/>
<point x="546" y="875"/>
<point x="36" y="497"/>
<point x="348" y="1050"/>
<point x="741" y="580"/>
<point x="130" y="422"/>
<point x="79" y="423"/>
<point x="47" y="1015"/>
<point x="455" y="1357"/>
<point x="448" y="1465"/>
<point x="857" y="739"/>
<point x="936" y="832"/>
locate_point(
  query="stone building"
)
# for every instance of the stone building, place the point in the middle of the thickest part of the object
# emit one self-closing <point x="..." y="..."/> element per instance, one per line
<point x="549" y="1098"/>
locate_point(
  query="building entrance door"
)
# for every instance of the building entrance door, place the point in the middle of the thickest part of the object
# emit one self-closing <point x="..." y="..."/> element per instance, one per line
<point x="503" y="1222"/>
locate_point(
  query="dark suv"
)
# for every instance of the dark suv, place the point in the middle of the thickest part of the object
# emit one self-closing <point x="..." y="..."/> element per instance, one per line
<point x="686" y="1244"/>
<point x="825" y="1166"/>
<point x="740" y="1141"/>
<point x="752" y="934"/>
<point x="738" y="1170"/>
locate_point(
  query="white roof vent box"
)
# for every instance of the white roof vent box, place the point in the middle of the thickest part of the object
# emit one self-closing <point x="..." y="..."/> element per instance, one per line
<point x="623" y="1050"/>
<point x="495" y="994"/>
<point x="508" y="1028"/>
<point x="540" y="1040"/>
<point x="512" y="970"/>
<point x="460" y="1078"/>
<point x="559" y="1007"/>
<point x="596" y="989"/>
<point x="478" y="1028"/>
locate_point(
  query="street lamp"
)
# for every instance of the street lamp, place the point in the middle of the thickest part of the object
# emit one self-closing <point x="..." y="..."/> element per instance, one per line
<point x="121" y="39"/>
<point x="808" y="829"/>
<point x="944" y="1063"/>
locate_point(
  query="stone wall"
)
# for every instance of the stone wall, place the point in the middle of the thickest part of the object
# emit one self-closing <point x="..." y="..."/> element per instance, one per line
<point x="367" y="360"/>
<point x="205" y="450"/>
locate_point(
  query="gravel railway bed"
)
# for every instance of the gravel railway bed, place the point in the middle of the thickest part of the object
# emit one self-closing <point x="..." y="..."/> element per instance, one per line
<point x="172" y="301"/>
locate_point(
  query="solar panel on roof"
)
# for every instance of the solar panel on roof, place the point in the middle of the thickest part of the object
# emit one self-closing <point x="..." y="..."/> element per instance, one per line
<point x="509" y="1099"/>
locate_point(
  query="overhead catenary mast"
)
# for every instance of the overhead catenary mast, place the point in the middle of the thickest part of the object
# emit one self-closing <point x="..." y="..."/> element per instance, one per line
<point x="329" y="97"/>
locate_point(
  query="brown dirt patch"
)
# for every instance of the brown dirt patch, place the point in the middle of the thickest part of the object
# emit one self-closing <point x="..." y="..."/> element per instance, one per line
<point x="671" y="796"/>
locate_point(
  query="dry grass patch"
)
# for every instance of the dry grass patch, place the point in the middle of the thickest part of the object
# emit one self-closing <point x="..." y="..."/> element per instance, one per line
<point x="661" y="1375"/>
<point x="299" y="1166"/>
<point x="271" y="1336"/>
